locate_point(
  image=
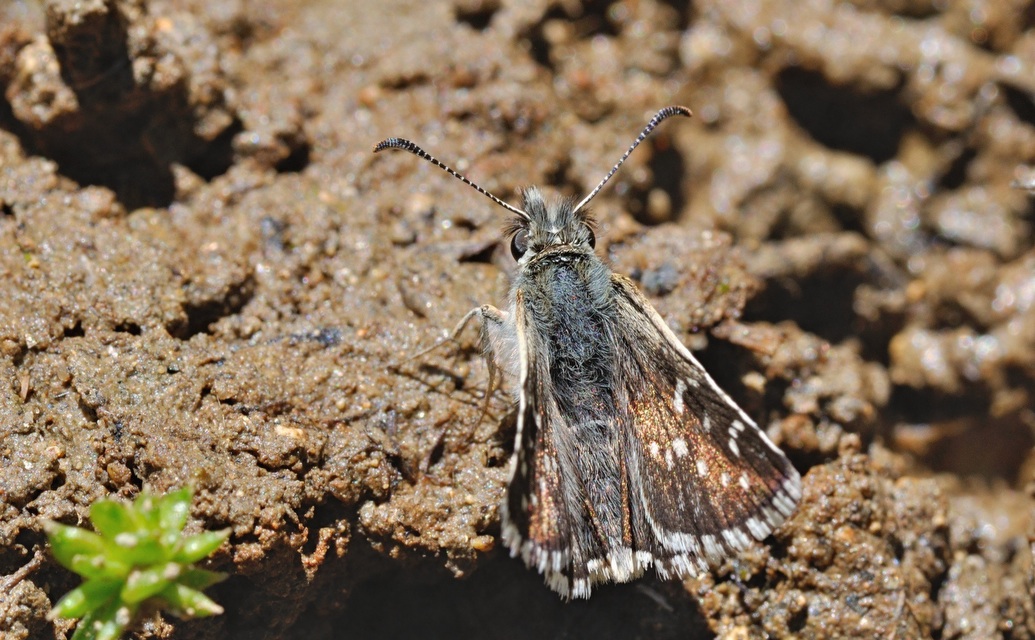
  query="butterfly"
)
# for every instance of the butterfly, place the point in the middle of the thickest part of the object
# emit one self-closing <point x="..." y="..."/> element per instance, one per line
<point x="627" y="454"/>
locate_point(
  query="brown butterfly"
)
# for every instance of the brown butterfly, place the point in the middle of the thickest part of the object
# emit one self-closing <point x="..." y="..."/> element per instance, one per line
<point x="627" y="453"/>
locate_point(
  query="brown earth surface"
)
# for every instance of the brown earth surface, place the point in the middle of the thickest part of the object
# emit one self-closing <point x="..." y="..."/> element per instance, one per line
<point x="207" y="277"/>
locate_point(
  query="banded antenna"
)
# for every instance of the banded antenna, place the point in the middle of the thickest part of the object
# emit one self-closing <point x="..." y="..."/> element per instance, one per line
<point x="406" y="145"/>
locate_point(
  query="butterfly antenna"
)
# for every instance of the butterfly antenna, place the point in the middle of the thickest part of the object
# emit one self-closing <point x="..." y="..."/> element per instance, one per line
<point x="406" y="145"/>
<point x="654" y="122"/>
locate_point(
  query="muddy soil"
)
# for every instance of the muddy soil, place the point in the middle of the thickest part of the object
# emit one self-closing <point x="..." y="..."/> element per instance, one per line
<point x="207" y="277"/>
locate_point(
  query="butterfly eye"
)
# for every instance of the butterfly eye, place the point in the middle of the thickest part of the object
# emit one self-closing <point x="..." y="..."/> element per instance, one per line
<point x="592" y="238"/>
<point x="519" y="243"/>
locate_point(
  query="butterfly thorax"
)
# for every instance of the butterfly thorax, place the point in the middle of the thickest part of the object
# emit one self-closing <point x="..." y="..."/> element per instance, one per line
<point x="574" y="318"/>
<point x="567" y="288"/>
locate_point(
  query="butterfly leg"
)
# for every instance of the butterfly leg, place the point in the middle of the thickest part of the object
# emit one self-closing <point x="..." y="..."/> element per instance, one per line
<point x="496" y="330"/>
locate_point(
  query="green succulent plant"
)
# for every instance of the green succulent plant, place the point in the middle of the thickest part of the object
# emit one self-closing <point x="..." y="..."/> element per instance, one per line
<point x="137" y="561"/>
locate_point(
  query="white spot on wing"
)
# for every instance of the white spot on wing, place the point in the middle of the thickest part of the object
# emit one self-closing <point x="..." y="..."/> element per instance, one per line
<point x="677" y="400"/>
<point x="679" y="446"/>
<point x="734" y="448"/>
<point x="702" y="468"/>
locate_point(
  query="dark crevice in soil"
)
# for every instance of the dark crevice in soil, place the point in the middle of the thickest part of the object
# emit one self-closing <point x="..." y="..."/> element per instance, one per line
<point x="141" y="148"/>
<point x="437" y="452"/>
<point x="727" y="363"/>
<point x="295" y="162"/>
<point x="14" y="556"/>
<point x="591" y="21"/>
<point x="866" y="124"/>
<point x="75" y="331"/>
<point x="117" y="134"/>
<point x="249" y="616"/>
<point x="668" y="168"/>
<point x="951" y="314"/>
<point x="1020" y="102"/>
<point x="136" y="478"/>
<point x="131" y="328"/>
<point x="685" y="11"/>
<point x="956" y="174"/>
<point x="477" y="15"/>
<point x="538" y="47"/>
<point x="874" y="337"/>
<point x="850" y="218"/>
<point x="7" y="120"/>
<point x="484" y="254"/>
<point x="960" y="424"/>
<point x="201" y="316"/>
<point x="326" y="515"/>
<point x="822" y="304"/>
<point x="798" y="620"/>
<point x="558" y="176"/>
<point x="937" y="582"/>
<point x="216" y="157"/>
<point x="89" y="412"/>
<point x="18" y="357"/>
<point x="928" y="406"/>
<point x="426" y="601"/>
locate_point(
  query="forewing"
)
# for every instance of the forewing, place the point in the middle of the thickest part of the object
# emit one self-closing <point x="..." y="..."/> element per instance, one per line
<point x="536" y="522"/>
<point x="705" y="478"/>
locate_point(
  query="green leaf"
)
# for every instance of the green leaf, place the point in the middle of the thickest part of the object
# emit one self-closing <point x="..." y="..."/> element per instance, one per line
<point x="87" y="627"/>
<point x="111" y="518"/>
<point x="185" y="602"/>
<point x="92" y="594"/>
<point x="201" y="578"/>
<point x="174" y="509"/>
<point x="144" y="583"/>
<point x="68" y="542"/>
<point x="106" y="623"/>
<point x="99" y="567"/>
<point x="200" y="546"/>
<point x="139" y="550"/>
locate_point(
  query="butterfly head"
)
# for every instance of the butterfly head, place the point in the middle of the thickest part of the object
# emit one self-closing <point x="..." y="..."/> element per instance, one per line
<point x="547" y="226"/>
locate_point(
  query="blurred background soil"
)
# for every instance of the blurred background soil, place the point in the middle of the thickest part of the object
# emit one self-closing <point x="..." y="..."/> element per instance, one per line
<point x="206" y="277"/>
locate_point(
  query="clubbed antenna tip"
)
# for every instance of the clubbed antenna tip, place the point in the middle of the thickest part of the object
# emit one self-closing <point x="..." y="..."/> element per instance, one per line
<point x="654" y="122"/>
<point x="406" y="145"/>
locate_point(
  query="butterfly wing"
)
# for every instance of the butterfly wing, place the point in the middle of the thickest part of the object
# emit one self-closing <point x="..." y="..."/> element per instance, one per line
<point x="704" y="478"/>
<point x="677" y="476"/>
<point x="535" y="517"/>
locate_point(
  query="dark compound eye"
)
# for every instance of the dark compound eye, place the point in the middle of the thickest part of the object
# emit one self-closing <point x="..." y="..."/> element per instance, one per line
<point x="519" y="243"/>
<point x="592" y="237"/>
